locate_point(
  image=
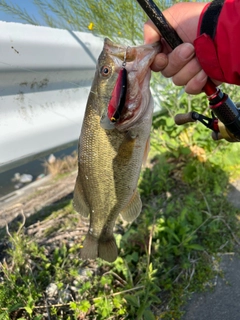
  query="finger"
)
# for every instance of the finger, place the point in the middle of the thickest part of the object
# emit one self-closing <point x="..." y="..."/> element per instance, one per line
<point x="150" y="33"/>
<point x="189" y="71"/>
<point x="160" y="62"/>
<point x="196" y="84"/>
<point x="178" y="58"/>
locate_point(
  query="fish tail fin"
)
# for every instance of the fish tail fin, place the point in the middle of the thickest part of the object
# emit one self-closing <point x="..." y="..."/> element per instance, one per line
<point x="90" y="248"/>
<point x="108" y="250"/>
<point x="93" y="248"/>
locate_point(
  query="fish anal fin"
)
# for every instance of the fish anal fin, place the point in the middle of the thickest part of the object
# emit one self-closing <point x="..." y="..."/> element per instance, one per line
<point x="133" y="208"/>
<point x="107" y="249"/>
<point x="79" y="203"/>
<point x="90" y="248"/>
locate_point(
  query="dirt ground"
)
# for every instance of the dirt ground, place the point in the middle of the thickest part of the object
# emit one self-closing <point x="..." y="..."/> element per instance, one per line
<point x="35" y="196"/>
<point x="40" y="210"/>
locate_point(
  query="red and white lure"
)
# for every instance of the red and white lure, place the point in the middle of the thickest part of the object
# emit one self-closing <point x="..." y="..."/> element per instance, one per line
<point x="119" y="93"/>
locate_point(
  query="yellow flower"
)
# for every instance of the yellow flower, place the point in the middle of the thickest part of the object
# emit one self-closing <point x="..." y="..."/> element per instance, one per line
<point x="119" y="32"/>
<point x="90" y="27"/>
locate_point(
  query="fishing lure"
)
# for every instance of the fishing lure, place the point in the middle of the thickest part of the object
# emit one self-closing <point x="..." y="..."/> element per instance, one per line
<point x="119" y="93"/>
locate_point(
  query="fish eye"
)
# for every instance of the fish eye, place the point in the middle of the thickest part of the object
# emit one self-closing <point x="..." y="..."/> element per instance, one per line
<point x="105" y="71"/>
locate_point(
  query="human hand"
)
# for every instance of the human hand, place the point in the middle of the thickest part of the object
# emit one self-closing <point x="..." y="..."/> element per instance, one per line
<point x="181" y="63"/>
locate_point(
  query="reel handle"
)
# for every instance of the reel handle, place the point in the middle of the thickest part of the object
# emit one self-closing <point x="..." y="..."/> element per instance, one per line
<point x="183" y="118"/>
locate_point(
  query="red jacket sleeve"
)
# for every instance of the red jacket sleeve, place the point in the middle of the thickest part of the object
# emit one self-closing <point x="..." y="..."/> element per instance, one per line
<point x="220" y="57"/>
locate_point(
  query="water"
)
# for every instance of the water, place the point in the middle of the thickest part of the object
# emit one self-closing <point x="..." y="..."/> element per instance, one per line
<point x="35" y="168"/>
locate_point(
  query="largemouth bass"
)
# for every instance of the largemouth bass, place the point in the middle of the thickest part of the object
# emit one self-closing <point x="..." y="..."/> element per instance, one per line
<point x="113" y="143"/>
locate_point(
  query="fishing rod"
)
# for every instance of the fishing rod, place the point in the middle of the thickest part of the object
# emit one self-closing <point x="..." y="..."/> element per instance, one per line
<point x="225" y="121"/>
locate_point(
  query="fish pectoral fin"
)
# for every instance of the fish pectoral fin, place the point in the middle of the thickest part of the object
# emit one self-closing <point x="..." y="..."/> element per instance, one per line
<point x="146" y="151"/>
<point x="79" y="203"/>
<point x="133" y="208"/>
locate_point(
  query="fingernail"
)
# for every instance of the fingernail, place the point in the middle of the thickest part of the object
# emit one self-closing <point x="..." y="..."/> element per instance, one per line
<point x="186" y="51"/>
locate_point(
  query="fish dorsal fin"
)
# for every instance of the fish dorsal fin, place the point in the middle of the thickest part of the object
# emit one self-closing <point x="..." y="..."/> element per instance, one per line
<point x="133" y="208"/>
<point x="79" y="203"/>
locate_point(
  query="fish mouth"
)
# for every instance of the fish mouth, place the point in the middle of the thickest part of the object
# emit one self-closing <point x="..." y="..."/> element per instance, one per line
<point x="131" y="94"/>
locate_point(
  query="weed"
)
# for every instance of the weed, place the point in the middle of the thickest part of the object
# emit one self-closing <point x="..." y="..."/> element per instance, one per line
<point x="56" y="166"/>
